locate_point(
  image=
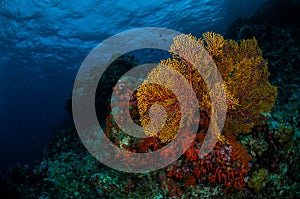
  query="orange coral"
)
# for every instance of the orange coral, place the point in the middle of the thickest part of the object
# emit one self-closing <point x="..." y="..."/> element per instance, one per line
<point x="227" y="164"/>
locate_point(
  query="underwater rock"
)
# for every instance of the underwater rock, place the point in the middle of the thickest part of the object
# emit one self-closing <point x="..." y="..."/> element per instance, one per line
<point x="106" y="83"/>
<point x="278" y="12"/>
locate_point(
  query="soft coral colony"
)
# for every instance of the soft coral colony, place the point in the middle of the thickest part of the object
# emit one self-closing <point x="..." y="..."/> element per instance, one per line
<point x="249" y="93"/>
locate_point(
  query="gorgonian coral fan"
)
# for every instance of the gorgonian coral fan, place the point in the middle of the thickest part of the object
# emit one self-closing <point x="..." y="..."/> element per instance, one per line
<point x="244" y="72"/>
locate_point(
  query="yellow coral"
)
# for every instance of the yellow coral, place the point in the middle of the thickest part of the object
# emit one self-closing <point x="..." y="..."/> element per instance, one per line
<point x="214" y="43"/>
<point x="244" y="72"/>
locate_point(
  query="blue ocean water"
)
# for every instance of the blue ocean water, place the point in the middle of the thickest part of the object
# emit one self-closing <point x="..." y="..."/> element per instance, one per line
<point x="42" y="44"/>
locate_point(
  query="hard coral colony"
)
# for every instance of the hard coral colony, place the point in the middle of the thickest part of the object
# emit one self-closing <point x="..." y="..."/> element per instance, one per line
<point x="249" y="93"/>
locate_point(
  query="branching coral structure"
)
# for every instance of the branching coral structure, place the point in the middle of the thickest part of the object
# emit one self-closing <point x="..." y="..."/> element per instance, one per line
<point x="245" y="76"/>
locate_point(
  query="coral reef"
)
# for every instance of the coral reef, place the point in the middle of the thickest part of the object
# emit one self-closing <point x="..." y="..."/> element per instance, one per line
<point x="263" y="163"/>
